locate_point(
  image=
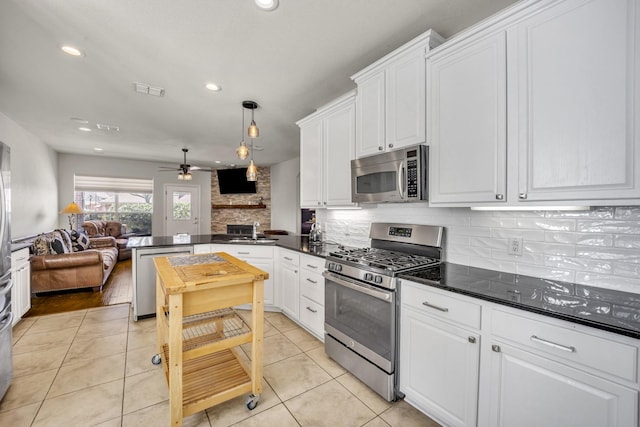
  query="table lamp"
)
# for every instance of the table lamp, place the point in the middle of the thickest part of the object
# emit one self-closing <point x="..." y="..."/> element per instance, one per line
<point x="71" y="209"/>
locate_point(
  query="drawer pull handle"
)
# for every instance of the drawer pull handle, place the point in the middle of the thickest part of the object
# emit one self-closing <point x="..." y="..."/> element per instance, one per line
<point x="312" y="281"/>
<point x="244" y="253"/>
<point x="312" y="266"/>
<point x="443" y="309"/>
<point x="569" y="349"/>
<point x="472" y="340"/>
<point x="311" y="309"/>
<point x="288" y="259"/>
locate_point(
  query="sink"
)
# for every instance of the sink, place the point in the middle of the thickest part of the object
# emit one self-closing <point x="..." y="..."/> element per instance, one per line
<point x="263" y="241"/>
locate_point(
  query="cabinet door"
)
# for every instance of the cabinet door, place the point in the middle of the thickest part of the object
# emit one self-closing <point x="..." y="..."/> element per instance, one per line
<point x="311" y="164"/>
<point x="467" y="122"/>
<point x="265" y="265"/>
<point x="370" y="116"/>
<point x="578" y="66"/>
<point x="24" y="289"/>
<point x="405" y="100"/>
<point x="290" y="290"/>
<point x="201" y="249"/>
<point x="528" y="390"/>
<point x="339" y="149"/>
<point x="439" y="368"/>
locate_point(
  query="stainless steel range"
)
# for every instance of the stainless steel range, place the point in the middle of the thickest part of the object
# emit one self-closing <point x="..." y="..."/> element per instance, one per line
<point x="361" y="300"/>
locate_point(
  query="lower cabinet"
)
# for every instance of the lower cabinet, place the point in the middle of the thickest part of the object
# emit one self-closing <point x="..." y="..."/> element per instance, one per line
<point x="21" y="277"/>
<point x="312" y="294"/>
<point x="439" y="360"/>
<point x="288" y="281"/>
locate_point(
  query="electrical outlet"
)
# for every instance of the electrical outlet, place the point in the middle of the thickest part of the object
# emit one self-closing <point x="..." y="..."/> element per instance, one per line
<point x="515" y="246"/>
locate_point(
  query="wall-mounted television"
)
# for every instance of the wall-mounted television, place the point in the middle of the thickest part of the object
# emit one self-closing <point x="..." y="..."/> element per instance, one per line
<point x="234" y="181"/>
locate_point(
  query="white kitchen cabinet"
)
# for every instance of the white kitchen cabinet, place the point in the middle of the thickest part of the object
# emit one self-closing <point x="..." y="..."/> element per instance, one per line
<point x="390" y="106"/>
<point x="570" y="100"/>
<point x="289" y="282"/>
<point x="21" y="277"/>
<point x="259" y="256"/>
<point x="312" y="294"/>
<point x="327" y="145"/>
<point x="543" y="373"/>
<point x="439" y="354"/>
<point x="467" y="122"/>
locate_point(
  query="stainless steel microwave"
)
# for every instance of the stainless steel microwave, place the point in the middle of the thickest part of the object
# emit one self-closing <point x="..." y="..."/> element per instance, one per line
<point x="396" y="176"/>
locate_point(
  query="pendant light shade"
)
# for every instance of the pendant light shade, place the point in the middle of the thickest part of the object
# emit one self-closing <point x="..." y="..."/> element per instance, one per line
<point x="253" y="130"/>
<point x="242" y="151"/>
<point x="185" y="176"/>
<point x="252" y="172"/>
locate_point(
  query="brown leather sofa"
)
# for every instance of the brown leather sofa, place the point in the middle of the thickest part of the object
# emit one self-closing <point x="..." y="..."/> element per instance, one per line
<point x="99" y="228"/>
<point x="71" y="269"/>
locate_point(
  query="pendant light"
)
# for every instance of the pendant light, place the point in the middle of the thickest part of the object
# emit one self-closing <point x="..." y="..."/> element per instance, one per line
<point x="242" y="151"/>
<point x="253" y="130"/>
<point x="252" y="170"/>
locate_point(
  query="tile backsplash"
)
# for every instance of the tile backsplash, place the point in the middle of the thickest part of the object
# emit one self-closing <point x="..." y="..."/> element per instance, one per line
<point x="598" y="247"/>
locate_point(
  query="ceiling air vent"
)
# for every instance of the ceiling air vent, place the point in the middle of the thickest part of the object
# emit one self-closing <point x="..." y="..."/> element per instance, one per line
<point x="148" y="89"/>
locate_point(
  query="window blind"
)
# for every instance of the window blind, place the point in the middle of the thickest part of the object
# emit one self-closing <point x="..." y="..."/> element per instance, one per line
<point x="103" y="183"/>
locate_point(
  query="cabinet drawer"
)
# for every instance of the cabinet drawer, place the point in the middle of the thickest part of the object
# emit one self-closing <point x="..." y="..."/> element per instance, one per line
<point x="597" y="352"/>
<point x="420" y="297"/>
<point x="20" y="257"/>
<point x="312" y="286"/>
<point x="246" y="251"/>
<point x="312" y="316"/>
<point x="312" y="263"/>
<point x="289" y="257"/>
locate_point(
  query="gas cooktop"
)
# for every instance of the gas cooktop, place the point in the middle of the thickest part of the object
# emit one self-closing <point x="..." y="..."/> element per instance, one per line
<point x="382" y="259"/>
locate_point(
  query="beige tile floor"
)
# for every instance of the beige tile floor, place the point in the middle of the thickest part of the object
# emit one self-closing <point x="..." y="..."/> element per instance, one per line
<point x="93" y="368"/>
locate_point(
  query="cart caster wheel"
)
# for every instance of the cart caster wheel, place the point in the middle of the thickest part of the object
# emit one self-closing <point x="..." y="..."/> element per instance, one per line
<point x="252" y="402"/>
<point x="156" y="359"/>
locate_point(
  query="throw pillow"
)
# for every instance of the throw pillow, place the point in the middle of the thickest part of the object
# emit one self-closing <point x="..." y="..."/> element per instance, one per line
<point x="66" y="239"/>
<point x="57" y="245"/>
<point x="79" y="240"/>
<point x="41" y="246"/>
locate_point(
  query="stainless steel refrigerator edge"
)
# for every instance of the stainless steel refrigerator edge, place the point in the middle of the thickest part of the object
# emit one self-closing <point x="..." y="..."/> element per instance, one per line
<point x="6" y="317"/>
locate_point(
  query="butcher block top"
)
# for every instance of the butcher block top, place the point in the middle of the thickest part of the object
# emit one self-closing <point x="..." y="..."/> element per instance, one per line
<point x="187" y="273"/>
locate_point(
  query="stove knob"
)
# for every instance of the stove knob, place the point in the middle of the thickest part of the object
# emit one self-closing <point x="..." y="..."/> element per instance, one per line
<point x="368" y="276"/>
<point x="378" y="279"/>
<point x="331" y="266"/>
<point x="338" y="267"/>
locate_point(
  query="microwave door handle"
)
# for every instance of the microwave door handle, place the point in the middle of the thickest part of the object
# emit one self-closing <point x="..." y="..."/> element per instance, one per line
<point x="401" y="179"/>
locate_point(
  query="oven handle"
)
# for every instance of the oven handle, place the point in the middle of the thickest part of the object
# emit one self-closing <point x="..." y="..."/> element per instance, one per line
<point x="359" y="287"/>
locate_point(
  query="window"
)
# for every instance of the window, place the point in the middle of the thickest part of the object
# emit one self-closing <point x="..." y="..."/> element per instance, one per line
<point x="129" y="201"/>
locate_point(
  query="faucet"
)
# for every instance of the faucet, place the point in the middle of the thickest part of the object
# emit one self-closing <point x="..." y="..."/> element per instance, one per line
<point x="254" y="233"/>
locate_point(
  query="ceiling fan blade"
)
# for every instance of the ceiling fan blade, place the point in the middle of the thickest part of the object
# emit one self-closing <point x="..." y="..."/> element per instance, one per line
<point x="167" y="169"/>
<point x="198" y="168"/>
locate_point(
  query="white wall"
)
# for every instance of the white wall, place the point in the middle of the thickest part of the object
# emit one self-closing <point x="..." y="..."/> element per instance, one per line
<point x="71" y="165"/>
<point x="34" y="187"/>
<point x="599" y="247"/>
<point x="285" y="205"/>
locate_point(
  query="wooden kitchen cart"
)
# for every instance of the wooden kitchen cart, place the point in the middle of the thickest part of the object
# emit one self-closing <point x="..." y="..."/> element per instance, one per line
<point x="199" y="331"/>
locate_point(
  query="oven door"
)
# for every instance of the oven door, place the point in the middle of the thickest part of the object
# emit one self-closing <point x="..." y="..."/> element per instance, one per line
<point x="379" y="182"/>
<point x="361" y="317"/>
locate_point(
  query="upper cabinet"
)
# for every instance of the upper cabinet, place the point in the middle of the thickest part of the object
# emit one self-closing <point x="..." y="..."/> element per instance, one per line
<point x="538" y="106"/>
<point x="390" y="106"/>
<point x="327" y="145"/>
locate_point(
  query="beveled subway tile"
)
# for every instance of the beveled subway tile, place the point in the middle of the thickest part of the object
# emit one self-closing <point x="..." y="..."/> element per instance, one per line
<point x="303" y="339"/>
<point x="275" y="416"/>
<point x="628" y="213"/>
<point x="367" y="396"/>
<point x="325" y="362"/>
<point x="145" y="389"/>
<point x="28" y="389"/>
<point x="235" y="410"/>
<point x="158" y="415"/>
<point x="401" y="414"/>
<point x="326" y="405"/>
<point x="610" y="226"/>
<point x="99" y="404"/>
<point x="546" y="224"/>
<point x="87" y="349"/>
<point x="20" y="417"/>
<point x="55" y="322"/>
<point x="88" y="373"/>
<point x="44" y="340"/>
<point x="38" y="361"/>
<point x="295" y="375"/>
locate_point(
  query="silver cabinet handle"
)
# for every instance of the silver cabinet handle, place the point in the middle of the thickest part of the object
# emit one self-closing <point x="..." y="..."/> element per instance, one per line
<point x="443" y="309"/>
<point x="244" y="253"/>
<point x="312" y="281"/>
<point x="390" y="145"/>
<point x="499" y="196"/>
<point x="311" y="309"/>
<point x="288" y="259"/>
<point x="312" y="266"/>
<point x="380" y="148"/>
<point x="522" y="196"/>
<point x="567" y="348"/>
<point x="495" y="348"/>
<point x="472" y="340"/>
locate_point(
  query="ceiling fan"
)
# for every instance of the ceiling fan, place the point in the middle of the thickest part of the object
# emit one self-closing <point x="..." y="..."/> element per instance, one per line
<point x="184" y="169"/>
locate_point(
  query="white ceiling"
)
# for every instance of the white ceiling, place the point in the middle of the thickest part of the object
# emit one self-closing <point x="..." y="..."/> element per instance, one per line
<point x="291" y="61"/>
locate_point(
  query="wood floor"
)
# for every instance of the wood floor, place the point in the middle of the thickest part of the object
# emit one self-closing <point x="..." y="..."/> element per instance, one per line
<point x="117" y="290"/>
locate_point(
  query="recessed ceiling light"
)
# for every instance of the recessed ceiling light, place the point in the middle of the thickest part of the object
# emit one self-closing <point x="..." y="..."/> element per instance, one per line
<point x="98" y="149"/>
<point x="214" y="87"/>
<point x="79" y="120"/>
<point x="267" y="5"/>
<point x="218" y="161"/>
<point x="70" y="50"/>
<point x="84" y="129"/>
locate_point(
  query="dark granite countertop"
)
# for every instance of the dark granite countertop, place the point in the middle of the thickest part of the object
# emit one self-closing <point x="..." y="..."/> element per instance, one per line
<point x="299" y="243"/>
<point x="17" y="246"/>
<point x="601" y="308"/>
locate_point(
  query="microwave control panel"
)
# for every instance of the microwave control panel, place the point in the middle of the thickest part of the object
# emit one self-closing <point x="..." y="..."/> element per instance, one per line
<point x="412" y="178"/>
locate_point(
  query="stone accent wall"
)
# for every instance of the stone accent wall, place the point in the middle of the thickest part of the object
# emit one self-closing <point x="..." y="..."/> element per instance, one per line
<point x="221" y="217"/>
